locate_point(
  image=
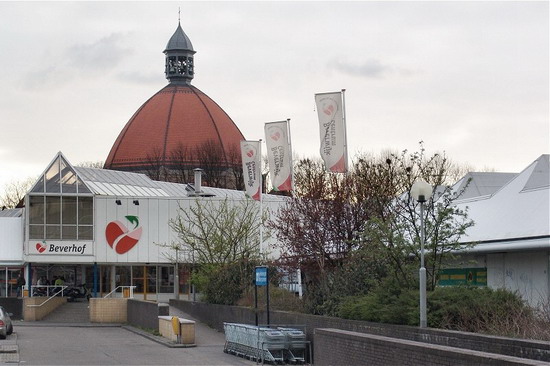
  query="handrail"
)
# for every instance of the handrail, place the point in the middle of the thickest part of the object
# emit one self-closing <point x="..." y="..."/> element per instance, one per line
<point x="47" y="287"/>
<point x="122" y="287"/>
<point x="49" y="298"/>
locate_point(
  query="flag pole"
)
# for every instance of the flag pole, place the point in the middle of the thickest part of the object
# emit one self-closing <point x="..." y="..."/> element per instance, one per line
<point x="345" y="127"/>
<point x="290" y="160"/>
<point x="261" y="198"/>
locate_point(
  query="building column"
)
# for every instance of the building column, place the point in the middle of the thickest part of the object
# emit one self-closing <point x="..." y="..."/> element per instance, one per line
<point x="113" y="279"/>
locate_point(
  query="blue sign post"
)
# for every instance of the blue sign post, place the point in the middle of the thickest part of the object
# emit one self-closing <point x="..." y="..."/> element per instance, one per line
<point x="261" y="278"/>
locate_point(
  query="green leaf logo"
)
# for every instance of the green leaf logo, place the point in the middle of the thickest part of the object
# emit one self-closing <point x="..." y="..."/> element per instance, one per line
<point x="133" y="219"/>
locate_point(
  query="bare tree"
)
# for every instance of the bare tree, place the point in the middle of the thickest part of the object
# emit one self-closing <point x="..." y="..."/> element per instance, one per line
<point x="219" y="231"/>
<point x="211" y="158"/>
<point x="14" y="193"/>
<point x="155" y="168"/>
<point x="98" y="164"/>
<point x="181" y="163"/>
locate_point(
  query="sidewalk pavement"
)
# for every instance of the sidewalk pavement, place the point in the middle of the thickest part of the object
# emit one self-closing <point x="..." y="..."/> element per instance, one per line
<point x="36" y="343"/>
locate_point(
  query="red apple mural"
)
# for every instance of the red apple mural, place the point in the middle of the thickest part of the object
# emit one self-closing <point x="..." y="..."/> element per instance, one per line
<point x="120" y="238"/>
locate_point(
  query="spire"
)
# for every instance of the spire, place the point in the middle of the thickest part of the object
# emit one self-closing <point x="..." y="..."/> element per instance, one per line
<point x="179" y="66"/>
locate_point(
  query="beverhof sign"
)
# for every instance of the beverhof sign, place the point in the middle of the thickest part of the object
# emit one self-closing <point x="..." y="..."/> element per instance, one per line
<point x="61" y="248"/>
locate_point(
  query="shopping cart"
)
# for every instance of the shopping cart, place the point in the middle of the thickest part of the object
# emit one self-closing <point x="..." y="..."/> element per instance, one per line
<point x="295" y="345"/>
<point x="256" y="343"/>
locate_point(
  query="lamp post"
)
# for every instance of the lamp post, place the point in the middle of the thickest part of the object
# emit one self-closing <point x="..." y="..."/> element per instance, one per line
<point x="421" y="191"/>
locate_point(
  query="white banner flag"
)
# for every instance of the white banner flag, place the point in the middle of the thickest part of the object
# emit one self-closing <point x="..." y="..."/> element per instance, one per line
<point x="332" y="131"/>
<point x="250" y="152"/>
<point x="279" y="155"/>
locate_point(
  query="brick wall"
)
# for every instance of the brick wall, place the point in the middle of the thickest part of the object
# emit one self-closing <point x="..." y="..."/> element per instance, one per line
<point x="36" y="308"/>
<point x="145" y="313"/>
<point x="341" y="347"/>
<point x="108" y="310"/>
<point x="215" y="315"/>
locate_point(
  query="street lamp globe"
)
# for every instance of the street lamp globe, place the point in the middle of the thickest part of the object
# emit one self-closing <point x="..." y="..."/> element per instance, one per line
<point x="421" y="191"/>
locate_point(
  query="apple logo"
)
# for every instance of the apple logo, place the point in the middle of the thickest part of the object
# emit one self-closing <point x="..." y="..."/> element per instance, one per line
<point x="120" y="238"/>
<point x="330" y="108"/>
<point x="41" y="247"/>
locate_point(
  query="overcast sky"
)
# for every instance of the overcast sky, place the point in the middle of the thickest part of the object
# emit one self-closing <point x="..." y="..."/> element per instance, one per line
<point x="467" y="78"/>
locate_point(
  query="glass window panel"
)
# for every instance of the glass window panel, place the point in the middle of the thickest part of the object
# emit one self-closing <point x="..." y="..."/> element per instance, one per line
<point x="85" y="233"/>
<point x="69" y="210"/>
<point x="85" y="210"/>
<point x="36" y="209"/>
<point x="81" y="187"/>
<point x="36" y="232"/>
<point x="137" y="272"/>
<point x="138" y="282"/>
<point x="53" y="210"/>
<point x="166" y="277"/>
<point x="52" y="178"/>
<point x="53" y="232"/>
<point x="39" y="186"/>
<point x="68" y="232"/>
<point x="122" y="277"/>
<point x="68" y="178"/>
<point x="151" y="279"/>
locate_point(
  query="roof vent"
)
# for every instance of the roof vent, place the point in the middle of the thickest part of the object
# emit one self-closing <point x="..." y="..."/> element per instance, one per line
<point x="195" y="190"/>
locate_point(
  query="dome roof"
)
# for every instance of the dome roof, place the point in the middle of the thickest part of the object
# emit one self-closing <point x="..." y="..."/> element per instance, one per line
<point x="178" y="115"/>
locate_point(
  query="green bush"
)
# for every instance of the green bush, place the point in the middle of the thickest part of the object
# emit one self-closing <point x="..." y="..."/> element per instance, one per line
<point x="356" y="276"/>
<point x="469" y="309"/>
<point x="477" y="309"/>
<point x="279" y="299"/>
<point x="386" y="304"/>
<point x="224" y="284"/>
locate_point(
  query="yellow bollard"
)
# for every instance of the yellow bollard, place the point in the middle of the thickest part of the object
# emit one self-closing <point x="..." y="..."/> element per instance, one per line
<point x="176" y="326"/>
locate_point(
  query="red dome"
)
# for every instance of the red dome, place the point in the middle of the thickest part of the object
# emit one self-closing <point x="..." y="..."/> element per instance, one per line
<point x="178" y="115"/>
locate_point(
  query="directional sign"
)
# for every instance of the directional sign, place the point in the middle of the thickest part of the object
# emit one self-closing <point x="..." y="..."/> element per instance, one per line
<point x="261" y="276"/>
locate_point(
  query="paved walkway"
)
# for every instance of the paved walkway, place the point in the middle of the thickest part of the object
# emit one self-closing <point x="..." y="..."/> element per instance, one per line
<point x="37" y="343"/>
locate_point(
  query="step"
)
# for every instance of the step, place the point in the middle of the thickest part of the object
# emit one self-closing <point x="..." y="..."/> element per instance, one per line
<point x="71" y="312"/>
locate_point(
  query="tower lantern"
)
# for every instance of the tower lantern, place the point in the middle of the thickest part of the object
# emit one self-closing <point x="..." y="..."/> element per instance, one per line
<point x="179" y="64"/>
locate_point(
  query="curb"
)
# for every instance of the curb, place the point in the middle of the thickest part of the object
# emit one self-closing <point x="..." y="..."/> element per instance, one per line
<point x="155" y="338"/>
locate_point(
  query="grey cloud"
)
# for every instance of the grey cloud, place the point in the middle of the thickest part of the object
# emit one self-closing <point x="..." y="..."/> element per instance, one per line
<point x="83" y="61"/>
<point x="102" y="55"/>
<point x="371" y="68"/>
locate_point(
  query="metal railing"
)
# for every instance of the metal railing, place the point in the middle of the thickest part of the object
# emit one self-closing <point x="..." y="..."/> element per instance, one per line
<point x="130" y="292"/>
<point x="49" y="298"/>
<point x="47" y="287"/>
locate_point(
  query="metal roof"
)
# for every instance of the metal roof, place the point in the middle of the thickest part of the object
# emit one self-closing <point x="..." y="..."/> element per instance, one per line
<point x="103" y="182"/>
<point x="513" y="213"/>
<point x="477" y="184"/>
<point x="11" y="212"/>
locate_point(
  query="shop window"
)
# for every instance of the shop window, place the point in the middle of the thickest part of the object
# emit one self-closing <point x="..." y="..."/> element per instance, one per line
<point x="138" y="278"/>
<point x="166" y="278"/>
<point x="151" y="280"/>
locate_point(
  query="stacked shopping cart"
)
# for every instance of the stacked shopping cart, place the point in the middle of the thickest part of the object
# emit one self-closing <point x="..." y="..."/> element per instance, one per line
<point x="274" y="345"/>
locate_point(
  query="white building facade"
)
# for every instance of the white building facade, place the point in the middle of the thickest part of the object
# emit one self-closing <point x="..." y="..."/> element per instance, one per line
<point x="105" y="229"/>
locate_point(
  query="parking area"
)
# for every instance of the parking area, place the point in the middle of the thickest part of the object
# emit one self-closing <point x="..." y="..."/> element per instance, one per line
<point x="70" y="345"/>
